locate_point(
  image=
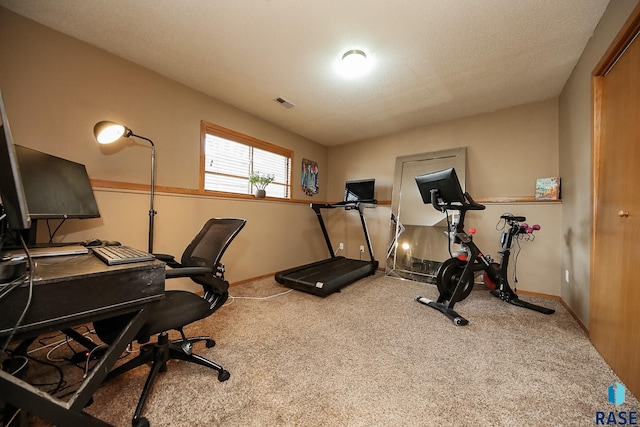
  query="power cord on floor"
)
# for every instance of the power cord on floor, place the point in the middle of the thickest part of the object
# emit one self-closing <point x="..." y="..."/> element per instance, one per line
<point x="89" y="355"/>
<point x="57" y="344"/>
<point x="58" y="385"/>
<point x="232" y="298"/>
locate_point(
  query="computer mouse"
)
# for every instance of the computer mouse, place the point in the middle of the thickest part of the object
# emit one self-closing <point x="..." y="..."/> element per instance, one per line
<point x="111" y="243"/>
<point x="92" y="242"/>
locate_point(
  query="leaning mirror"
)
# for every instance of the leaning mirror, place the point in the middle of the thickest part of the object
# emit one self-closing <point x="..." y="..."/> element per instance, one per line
<point x="419" y="240"/>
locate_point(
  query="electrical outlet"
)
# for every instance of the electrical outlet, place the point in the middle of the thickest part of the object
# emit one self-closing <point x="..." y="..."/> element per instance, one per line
<point x="361" y="248"/>
<point x="341" y="246"/>
<point x="566" y="276"/>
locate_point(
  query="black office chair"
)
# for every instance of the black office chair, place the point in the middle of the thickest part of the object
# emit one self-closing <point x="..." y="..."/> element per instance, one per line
<point x="200" y="262"/>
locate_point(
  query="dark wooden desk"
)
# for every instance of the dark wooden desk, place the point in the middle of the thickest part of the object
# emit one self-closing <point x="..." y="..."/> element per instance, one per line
<point x="69" y="291"/>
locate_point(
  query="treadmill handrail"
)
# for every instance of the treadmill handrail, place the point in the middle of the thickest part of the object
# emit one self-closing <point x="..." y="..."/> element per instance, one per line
<point x="359" y="205"/>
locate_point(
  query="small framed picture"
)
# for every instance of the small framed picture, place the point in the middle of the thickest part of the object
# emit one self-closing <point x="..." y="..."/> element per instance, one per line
<point x="548" y="188"/>
<point x="309" y="177"/>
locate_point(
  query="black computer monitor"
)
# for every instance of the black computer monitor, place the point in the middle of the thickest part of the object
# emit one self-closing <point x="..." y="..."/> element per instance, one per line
<point x="12" y="195"/>
<point x="55" y="188"/>
<point x="360" y="190"/>
<point x="445" y="182"/>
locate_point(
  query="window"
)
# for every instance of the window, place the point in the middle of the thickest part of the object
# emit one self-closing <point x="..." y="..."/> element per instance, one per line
<point x="228" y="157"/>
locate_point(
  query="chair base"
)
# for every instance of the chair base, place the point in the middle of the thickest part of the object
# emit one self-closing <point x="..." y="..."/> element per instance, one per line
<point x="159" y="353"/>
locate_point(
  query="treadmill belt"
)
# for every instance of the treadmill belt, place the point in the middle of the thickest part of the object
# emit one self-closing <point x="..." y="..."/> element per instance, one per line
<point x="327" y="276"/>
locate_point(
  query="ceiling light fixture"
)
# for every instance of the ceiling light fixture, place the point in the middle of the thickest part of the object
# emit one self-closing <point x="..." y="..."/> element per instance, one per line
<point x="354" y="56"/>
<point x="354" y="63"/>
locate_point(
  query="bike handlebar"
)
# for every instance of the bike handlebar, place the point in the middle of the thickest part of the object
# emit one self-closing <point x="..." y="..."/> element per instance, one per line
<point x="512" y="218"/>
<point x="473" y="206"/>
<point x="467" y="204"/>
<point x="518" y="225"/>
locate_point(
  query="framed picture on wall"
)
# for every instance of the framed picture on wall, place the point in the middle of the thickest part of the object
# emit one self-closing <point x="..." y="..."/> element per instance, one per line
<point x="309" y="177"/>
<point x="548" y="188"/>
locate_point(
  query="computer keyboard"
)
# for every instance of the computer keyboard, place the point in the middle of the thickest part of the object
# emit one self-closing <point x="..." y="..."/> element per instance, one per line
<point x="114" y="255"/>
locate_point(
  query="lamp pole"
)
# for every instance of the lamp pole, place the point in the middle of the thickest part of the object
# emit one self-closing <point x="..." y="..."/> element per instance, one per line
<point x="152" y="211"/>
<point x="107" y="132"/>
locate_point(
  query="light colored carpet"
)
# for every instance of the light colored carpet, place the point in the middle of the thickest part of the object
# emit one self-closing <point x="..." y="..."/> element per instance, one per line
<point x="372" y="356"/>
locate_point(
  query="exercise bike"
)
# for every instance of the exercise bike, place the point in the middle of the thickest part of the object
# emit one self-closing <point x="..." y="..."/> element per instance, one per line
<point x="456" y="276"/>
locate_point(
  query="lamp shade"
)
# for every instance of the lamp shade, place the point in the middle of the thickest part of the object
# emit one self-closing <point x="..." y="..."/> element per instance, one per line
<point x="107" y="132"/>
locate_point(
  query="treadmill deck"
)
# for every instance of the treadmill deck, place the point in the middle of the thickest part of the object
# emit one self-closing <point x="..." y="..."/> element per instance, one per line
<point x="327" y="276"/>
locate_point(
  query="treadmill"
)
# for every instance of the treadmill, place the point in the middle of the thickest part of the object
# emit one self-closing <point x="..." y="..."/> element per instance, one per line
<point x="325" y="277"/>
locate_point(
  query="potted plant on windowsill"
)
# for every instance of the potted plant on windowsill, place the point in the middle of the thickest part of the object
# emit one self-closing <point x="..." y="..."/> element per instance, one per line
<point x="260" y="182"/>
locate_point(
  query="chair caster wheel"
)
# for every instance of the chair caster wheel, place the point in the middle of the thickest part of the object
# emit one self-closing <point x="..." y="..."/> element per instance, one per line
<point x="140" y="422"/>
<point x="460" y="321"/>
<point x="210" y="343"/>
<point x="223" y="375"/>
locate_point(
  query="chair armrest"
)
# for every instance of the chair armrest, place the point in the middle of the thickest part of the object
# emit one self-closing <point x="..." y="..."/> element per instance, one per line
<point x="164" y="257"/>
<point x="170" y="260"/>
<point x="187" y="272"/>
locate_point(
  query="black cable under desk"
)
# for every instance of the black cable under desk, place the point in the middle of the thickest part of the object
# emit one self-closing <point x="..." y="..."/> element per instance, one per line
<point x="69" y="291"/>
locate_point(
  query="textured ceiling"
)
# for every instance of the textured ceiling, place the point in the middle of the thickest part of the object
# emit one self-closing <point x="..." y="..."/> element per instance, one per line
<point x="432" y="60"/>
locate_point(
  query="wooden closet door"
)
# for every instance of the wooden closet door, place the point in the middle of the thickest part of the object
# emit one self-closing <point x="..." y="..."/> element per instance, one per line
<point x="614" y="324"/>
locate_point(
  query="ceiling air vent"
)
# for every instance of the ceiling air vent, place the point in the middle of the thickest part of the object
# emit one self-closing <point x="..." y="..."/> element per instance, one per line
<point x="285" y="103"/>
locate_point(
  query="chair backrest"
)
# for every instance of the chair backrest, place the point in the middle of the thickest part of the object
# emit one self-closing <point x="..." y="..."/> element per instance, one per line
<point x="205" y="250"/>
<point x="208" y="246"/>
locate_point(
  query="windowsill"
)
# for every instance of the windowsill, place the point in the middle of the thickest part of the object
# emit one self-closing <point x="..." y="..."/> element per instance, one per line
<point x="130" y="186"/>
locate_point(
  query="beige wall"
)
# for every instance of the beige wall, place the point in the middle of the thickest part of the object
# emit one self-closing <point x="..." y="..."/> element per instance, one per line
<point x="56" y="88"/>
<point x="506" y="151"/>
<point x="575" y="161"/>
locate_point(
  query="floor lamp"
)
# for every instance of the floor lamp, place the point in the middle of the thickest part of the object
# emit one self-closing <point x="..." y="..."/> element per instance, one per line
<point x="107" y="132"/>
